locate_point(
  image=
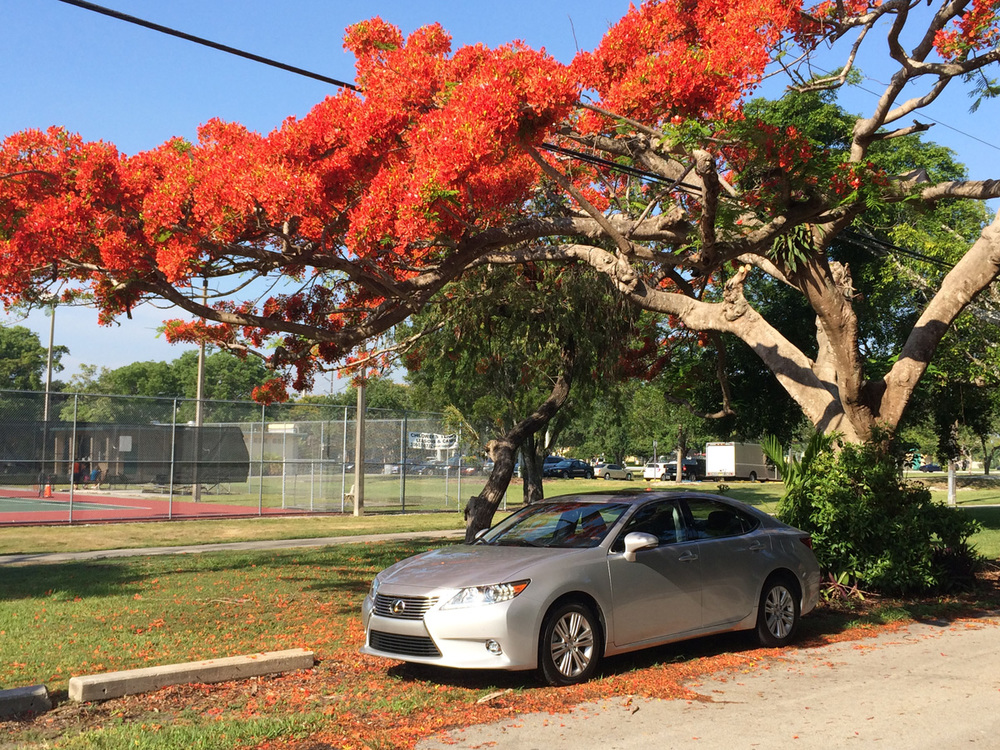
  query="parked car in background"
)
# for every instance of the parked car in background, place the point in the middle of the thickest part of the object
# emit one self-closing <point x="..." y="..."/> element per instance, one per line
<point x="568" y="468"/>
<point x="612" y="471"/>
<point x="655" y="470"/>
<point x="561" y="584"/>
<point x="930" y="467"/>
<point x="693" y="469"/>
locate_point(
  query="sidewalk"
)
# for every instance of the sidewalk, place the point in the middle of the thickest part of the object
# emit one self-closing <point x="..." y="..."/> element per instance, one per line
<point x="61" y="557"/>
<point x="928" y="686"/>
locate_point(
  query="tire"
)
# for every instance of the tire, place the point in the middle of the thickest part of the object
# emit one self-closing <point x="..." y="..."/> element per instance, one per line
<point x="628" y="477"/>
<point x="565" y="475"/>
<point x="663" y="477"/>
<point x="777" y="613"/>
<point x="607" y="476"/>
<point x="753" y="476"/>
<point x="570" y="647"/>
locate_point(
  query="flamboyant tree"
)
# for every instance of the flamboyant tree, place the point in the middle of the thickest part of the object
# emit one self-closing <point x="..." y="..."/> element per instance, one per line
<point x="441" y="161"/>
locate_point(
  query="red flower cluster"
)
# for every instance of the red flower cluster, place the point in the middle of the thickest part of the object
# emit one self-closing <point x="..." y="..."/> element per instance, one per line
<point x="695" y="58"/>
<point x="975" y="31"/>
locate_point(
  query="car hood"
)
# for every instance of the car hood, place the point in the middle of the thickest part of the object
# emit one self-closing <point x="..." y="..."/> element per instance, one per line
<point x="476" y="565"/>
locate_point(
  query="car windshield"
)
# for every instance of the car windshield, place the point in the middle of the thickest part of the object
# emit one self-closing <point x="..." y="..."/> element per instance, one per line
<point x="565" y="524"/>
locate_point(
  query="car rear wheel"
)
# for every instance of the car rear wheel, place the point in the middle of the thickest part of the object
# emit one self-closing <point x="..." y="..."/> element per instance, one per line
<point x="570" y="647"/>
<point x="753" y="476"/>
<point x="607" y="476"/>
<point x="778" y="613"/>
<point x="628" y="477"/>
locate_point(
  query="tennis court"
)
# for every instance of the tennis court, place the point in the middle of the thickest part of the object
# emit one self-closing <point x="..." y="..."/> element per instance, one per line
<point x="19" y="506"/>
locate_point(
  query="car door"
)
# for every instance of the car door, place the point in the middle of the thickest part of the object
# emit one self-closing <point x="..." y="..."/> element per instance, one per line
<point x="659" y="593"/>
<point x="735" y="557"/>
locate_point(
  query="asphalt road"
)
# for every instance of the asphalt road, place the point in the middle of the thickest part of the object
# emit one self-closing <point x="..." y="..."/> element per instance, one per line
<point x="928" y="686"/>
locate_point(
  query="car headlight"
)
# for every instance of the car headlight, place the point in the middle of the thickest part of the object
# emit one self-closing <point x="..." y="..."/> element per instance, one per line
<point x="495" y="593"/>
<point x="374" y="588"/>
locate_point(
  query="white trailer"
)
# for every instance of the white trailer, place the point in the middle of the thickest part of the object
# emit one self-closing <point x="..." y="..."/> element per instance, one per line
<point x="738" y="461"/>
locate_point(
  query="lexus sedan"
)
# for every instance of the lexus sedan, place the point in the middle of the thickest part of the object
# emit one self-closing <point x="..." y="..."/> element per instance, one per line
<point x="558" y="585"/>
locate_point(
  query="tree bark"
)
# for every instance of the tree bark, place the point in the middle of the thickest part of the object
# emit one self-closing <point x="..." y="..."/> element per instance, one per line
<point x="531" y="471"/>
<point x="480" y="509"/>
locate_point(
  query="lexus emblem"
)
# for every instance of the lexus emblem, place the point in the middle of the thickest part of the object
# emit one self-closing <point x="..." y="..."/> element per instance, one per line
<point x="398" y="607"/>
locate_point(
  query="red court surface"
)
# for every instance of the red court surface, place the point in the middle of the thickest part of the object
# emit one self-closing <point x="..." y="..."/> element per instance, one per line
<point x="20" y="507"/>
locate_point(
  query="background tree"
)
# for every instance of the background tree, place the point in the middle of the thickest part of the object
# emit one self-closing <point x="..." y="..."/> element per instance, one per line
<point x="504" y="342"/>
<point x="142" y="392"/>
<point x="24" y="361"/>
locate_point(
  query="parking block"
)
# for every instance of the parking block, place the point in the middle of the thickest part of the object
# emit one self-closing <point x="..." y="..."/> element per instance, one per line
<point x="99" y="687"/>
<point x="21" y="700"/>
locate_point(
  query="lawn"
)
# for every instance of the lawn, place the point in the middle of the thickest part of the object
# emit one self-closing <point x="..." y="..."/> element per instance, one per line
<point x="62" y="620"/>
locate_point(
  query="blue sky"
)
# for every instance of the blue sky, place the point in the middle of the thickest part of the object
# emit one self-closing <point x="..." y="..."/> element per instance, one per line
<point x="113" y="81"/>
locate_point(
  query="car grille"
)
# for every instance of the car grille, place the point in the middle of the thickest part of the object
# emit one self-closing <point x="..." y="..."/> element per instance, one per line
<point x="403" y="607"/>
<point x="406" y="645"/>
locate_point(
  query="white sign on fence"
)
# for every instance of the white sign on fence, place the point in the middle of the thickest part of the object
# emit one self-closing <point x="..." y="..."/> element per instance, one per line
<point x="432" y="441"/>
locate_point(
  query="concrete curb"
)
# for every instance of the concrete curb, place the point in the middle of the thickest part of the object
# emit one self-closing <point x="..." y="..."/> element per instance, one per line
<point x="34" y="698"/>
<point x="100" y="687"/>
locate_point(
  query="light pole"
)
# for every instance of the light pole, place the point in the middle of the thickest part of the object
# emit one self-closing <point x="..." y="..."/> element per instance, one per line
<point x="48" y="396"/>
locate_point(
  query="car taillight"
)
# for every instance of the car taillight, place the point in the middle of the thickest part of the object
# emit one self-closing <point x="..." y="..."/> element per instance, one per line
<point x="807" y="540"/>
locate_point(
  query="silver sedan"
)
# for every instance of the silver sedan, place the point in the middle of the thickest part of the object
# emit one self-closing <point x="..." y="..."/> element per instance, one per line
<point x="611" y="471"/>
<point x="558" y="585"/>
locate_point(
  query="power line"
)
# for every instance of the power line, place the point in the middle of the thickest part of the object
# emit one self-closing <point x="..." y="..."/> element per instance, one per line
<point x="208" y="43"/>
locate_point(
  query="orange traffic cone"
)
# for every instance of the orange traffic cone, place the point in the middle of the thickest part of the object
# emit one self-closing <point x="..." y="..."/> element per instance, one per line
<point x="48" y="491"/>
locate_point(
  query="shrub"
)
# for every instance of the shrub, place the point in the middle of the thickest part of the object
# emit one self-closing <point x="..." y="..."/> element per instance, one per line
<point x="873" y="529"/>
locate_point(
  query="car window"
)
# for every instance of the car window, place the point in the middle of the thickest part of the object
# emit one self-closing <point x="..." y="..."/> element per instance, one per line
<point x="713" y="520"/>
<point x="662" y="520"/>
<point x="569" y="524"/>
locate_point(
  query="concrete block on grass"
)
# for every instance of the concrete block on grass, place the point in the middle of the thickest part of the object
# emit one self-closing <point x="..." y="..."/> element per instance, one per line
<point x="14" y="701"/>
<point x="98" y="687"/>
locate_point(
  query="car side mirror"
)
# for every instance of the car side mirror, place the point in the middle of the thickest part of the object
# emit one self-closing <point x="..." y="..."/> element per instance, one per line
<point x="636" y="541"/>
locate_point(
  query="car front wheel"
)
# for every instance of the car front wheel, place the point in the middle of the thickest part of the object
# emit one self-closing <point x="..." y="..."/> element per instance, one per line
<point x="607" y="476"/>
<point x="570" y="647"/>
<point x="778" y="613"/>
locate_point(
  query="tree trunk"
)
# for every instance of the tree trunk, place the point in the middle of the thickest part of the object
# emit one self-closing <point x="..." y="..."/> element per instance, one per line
<point x="531" y="471"/>
<point x="480" y="509"/>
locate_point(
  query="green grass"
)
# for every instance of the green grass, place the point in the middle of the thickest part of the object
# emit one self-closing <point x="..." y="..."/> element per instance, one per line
<point x="987" y="540"/>
<point x="220" y="735"/>
<point x="83" y="538"/>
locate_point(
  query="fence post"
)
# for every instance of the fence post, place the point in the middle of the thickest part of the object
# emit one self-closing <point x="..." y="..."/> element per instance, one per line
<point x="173" y="456"/>
<point x="343" y="464"/>
<point x="359" y="453"/>
<point x="73" y="457"/>
<point x="284" y="471"/>
<point x="260" y="484"/>
<point x="402" y="463"/>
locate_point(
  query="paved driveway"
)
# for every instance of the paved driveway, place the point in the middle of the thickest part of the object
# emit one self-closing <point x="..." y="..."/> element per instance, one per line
<point x="928" y="686"/>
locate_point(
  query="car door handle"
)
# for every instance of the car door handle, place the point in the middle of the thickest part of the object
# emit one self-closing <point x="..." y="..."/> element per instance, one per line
<point x="756" y="547"/>
<point x="687" y="557"/>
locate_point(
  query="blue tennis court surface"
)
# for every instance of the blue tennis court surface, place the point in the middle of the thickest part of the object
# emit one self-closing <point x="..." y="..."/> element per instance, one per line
<point x="39" y="505"/>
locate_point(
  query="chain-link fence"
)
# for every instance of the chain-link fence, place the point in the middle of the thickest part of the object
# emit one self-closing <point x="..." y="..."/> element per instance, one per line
<point x="85" y="457"/>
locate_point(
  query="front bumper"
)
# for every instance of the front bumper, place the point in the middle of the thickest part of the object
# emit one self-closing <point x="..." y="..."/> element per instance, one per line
<point x="458" y="638"/>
